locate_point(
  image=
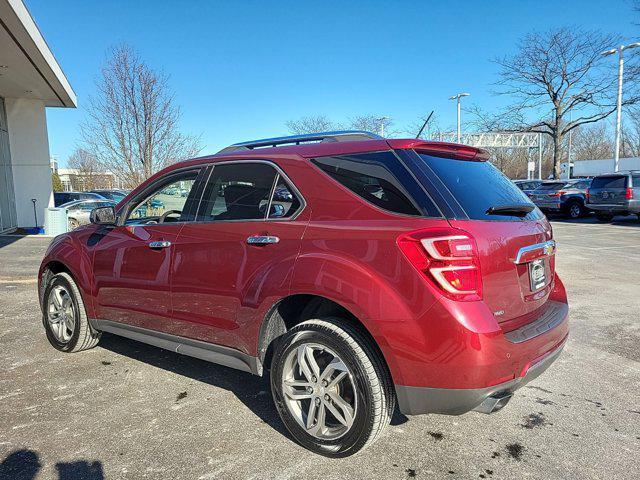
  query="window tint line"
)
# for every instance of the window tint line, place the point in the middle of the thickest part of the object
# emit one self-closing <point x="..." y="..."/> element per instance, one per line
<point x="276" y="179"/>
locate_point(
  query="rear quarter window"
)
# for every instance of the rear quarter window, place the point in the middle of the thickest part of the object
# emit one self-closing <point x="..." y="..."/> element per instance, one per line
<point x="477" y="186"/>
<point x="380" y="179"/>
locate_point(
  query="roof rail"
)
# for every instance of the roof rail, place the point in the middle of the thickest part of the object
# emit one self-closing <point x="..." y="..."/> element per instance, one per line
<point x="337" y="136"/>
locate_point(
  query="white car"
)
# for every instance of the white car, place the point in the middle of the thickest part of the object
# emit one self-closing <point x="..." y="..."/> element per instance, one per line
<point x="78" y="211"/>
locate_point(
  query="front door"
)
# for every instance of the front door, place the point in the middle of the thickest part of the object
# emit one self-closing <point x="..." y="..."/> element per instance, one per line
<point x="132" y="261"/>
<point x="237" y="258"/>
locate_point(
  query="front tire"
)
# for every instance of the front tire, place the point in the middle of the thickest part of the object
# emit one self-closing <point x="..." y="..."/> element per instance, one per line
<point x="64" y="316"/>
<point x="330" y="387"/>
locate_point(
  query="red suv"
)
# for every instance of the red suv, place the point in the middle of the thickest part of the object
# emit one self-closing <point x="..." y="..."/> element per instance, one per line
<point x="360" y="272"/>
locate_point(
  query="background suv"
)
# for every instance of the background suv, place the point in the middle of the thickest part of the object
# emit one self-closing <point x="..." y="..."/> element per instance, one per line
<point x="360" y="272"/>
<point x="567" y="197"/>
<point x="615" y="194"/>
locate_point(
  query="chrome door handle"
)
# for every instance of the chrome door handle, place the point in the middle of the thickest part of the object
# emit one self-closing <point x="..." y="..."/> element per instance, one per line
<point x="163" y="244"/>
<point x="262" y="239"/>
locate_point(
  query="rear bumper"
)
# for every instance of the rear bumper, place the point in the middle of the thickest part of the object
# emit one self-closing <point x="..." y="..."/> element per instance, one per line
<point x="456" y="401"/>
<point x="555" y="207"/>
<point x="630" y="207"/>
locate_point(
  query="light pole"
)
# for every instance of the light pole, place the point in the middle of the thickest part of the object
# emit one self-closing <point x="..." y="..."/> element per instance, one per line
<point x="382" y="120"/>
<point x="619" y="50"/>
<point x="457" y="97"/>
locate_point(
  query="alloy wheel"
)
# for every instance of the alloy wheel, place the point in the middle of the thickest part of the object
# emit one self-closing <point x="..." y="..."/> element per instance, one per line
<point x="61" y="315"/>
<point x="319" y="391"/>
<point x="574" y="210"/>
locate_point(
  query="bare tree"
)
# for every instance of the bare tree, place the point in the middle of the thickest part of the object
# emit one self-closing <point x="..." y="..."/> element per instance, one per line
<point x="555" y="73"/>
<point x="321" y="123"/>
<point x="132" y="125"/>
<point x="89" y="171"/>
<point x="592" y="142"/>
<point x="311" y="124"/>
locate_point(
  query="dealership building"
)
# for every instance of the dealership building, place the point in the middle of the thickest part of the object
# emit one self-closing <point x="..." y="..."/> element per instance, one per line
<point x="30" y="81"/>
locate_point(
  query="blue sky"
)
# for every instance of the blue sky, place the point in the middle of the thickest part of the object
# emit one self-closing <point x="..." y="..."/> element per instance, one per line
<point x="241" y="69"/>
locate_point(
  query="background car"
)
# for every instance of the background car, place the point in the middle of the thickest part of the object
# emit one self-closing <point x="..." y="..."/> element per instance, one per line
<point x="528" y="186"/>
<point x="567" y="197"/>
<point x="78" y="211"/>
<point x="615" y="194"/>
<point x="60" y="198"/>
<point x="111" y="194"/>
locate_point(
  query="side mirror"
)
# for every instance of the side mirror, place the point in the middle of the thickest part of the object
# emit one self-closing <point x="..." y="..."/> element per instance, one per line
<point x="103" y="216"/>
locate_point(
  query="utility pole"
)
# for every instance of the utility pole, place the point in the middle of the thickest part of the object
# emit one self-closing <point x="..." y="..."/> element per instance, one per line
<point x="457" y="97"/>
<point x="619" y="50"/>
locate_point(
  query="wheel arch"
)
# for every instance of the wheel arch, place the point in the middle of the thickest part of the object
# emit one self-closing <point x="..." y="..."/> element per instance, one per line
<point x="296" y="308"/>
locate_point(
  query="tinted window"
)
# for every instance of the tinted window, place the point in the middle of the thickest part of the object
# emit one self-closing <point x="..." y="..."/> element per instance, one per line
<point x="168" y="199"/>
<point x="238" y="191"/>
<point x="636" y="181"/>
<point x="284" y="202"/>
<point x="551" y="186"/>
<point x="477" y="186"/>
<point x="372" y="177"/>
<point x="612" y="181"/>
<point x="582" y="185"/>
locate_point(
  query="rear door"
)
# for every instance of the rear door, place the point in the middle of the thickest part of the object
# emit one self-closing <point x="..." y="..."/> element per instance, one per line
<point x="236" y="259"/>
<point x="609" y="190"/>
<point x="514" y="250"/>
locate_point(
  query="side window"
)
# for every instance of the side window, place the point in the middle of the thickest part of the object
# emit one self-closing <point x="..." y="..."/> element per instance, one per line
<point x="285" y="202"/>
<point x="166" y="203"/>
<point x="237" y="191"/>
<point x="636" y="181"/>
<point x="370" y="177"/>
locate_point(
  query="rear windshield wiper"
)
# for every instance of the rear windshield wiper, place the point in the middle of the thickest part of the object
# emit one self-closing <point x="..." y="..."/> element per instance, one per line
<point x="514" y="210"/>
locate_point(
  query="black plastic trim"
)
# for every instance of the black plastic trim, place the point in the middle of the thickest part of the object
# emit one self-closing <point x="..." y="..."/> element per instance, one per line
<point x="229" y="357"/>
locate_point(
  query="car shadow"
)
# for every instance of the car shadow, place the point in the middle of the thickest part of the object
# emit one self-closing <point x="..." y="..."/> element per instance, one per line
<point x="253" y="391"/>
<point x="25" y="464"/>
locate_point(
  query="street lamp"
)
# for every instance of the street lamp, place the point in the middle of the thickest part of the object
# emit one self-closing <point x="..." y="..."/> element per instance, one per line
<point x="457" y="97"/>
<point x="619" y="50"/>
<point x="382" y="120"/>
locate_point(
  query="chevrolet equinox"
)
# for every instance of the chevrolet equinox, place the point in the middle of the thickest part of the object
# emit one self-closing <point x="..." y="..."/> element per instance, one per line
<point x="359" y="272"/>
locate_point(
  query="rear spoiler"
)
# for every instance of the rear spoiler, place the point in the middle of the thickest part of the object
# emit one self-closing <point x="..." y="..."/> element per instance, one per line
<point x="442" y="149"/>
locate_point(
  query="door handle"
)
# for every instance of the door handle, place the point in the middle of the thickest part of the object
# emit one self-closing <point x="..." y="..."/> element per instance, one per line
<point x="162" y="244"/>
<point x="262" y="239"/>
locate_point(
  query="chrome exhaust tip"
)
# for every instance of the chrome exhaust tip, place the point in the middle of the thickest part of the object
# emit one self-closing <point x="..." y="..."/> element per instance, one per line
<point x="494" y="403"/>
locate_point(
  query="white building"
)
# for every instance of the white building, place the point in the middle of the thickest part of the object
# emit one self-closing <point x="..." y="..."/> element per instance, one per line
<point x="30" y="81"/>
<point x="590" y="168"/>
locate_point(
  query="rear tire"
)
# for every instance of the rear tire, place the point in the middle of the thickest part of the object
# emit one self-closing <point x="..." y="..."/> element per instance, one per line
<point x="64" y="316"/>
<point x="310" y="357"/>
<point x="604" y="217"/>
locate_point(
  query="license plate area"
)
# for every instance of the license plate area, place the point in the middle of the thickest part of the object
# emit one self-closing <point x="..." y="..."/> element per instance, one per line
<point x="538" y="274"/>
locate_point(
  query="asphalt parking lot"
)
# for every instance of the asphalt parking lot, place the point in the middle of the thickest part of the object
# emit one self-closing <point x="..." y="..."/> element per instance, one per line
<point x="127" y="410"/>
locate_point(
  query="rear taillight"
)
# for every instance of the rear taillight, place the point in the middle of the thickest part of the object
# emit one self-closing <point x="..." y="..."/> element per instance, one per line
<point x="557" y="194"/>
<point x="448" y="259"/>
<point x="587" y="195"/>
<point x="628" y="194"/>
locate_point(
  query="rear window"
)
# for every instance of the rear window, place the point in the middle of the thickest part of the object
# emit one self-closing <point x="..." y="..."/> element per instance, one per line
<point x="612" y="181"/>
<point x="477" y="186"/>
<point x="551" y="186"/>
<point x="380" y="179"/>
